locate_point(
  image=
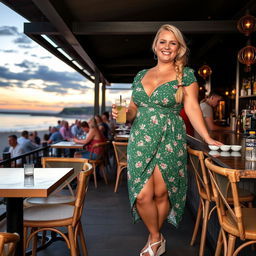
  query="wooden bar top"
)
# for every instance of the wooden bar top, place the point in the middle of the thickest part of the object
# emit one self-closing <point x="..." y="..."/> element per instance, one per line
<point x="230" y="159"/>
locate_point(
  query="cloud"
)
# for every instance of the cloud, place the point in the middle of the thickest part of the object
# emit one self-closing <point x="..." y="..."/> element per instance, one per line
<point x="26" y="64"/>
<point x="22" y="39"/>
<point x="53" y="81"/>
<point x="8" y="31"/>
<point x="45" y="57"/>
<point x="9" y="51"/>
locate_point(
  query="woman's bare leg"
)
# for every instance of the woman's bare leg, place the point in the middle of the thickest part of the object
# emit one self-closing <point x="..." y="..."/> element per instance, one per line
<point x="149" y="210"/>
<point x="161" y="197"/>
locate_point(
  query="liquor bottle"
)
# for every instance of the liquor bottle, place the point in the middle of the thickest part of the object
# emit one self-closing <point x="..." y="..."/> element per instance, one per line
<point x="250" y="147"/>
<point x="248" y="87"/>
<point x="254" y="86"/>
<point x="243" y="90"/>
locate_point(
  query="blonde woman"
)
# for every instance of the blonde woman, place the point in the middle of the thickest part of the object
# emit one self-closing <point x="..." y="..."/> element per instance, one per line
<point x="93" y="137"/>
<point x="157" y="178"/>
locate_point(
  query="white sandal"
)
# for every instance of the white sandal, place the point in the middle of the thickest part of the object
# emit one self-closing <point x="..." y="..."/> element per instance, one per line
<point x="160" y="250"/>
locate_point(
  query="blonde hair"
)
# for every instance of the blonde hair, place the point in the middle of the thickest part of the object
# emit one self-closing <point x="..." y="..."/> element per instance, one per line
<point x="93" y="123"/>
<point x="181" y="58"/>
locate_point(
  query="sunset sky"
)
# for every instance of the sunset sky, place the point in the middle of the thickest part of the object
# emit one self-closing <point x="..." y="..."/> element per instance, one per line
<point x="31" y="78"/>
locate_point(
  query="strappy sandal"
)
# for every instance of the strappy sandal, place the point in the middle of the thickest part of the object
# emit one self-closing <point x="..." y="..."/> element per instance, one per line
<point x="160" y="250"/>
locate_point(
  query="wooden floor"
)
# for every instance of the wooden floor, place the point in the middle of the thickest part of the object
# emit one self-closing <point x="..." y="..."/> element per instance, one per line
<point x="109" y="229"/>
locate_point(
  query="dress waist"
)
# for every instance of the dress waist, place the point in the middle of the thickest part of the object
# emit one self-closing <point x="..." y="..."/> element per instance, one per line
<point x="160" y="110"/>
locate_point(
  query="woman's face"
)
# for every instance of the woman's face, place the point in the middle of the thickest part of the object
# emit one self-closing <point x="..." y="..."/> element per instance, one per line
<point x="166" y="47"/>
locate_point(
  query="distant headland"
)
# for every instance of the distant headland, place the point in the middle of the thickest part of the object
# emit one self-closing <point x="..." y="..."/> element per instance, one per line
<point x="79" y="111"/>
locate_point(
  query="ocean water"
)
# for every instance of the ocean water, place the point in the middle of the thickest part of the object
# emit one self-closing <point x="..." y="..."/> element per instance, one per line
<point x="18" y="123"/>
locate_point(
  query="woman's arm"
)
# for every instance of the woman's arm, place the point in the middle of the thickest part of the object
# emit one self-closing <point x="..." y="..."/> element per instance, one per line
<point x="89" y="137"/>
<point x="132" y="111"/>
<point x="194" y="113"/>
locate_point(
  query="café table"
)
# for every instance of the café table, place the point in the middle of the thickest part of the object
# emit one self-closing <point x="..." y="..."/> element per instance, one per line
<point x="14" y="186"/>
<point x="67" y="144"/>
<point x="121" y="137"/>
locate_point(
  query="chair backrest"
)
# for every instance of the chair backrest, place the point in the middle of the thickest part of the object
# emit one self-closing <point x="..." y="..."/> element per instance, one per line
<point x="82" y="186"/>
<point x="196" y="158"/>
<point x="102" y="147"/>
<point x="78" y="164"/>
<point x="120" y="149"/>
<point x="8" y="243"/>
<point x="225" y="208"/>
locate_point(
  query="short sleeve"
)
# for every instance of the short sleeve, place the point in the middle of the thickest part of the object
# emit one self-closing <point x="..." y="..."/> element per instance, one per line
<point x="137" y="78"/>
<point x="188" y="76"/>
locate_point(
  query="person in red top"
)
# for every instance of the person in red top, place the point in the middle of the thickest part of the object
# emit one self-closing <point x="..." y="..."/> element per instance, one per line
<point x="189" y="127"/>
<point x="93" y="137"/>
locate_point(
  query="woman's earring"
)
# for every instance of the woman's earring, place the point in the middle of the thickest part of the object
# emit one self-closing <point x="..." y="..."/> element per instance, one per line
<point x="155" y="57"/>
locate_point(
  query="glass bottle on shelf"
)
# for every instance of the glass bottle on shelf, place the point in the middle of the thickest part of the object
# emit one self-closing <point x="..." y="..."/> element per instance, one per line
<point x="248" y="87"/>
<point x="243" y="89"/>
<point x="250" y="147"/>
<point x="254" y="86"/>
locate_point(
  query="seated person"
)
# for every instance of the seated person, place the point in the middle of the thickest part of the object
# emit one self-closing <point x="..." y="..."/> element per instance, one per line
<point x="15" y="149"/>
<point x="93" y="137"/>
<point x="85" y="128"/>
<point x="76" y="129"/>
<point x="65" y="131"/>
<point x="207" y="106"/>
<point x="55" y="136"/>
<point x="103" y="127"/>
<point x="26" y="144"/>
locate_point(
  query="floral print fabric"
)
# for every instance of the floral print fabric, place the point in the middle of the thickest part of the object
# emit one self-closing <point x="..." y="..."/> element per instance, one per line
<point x="158" y="138"/>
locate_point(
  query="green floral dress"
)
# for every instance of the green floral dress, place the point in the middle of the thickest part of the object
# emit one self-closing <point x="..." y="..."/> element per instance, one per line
<point x="158" y="138"/>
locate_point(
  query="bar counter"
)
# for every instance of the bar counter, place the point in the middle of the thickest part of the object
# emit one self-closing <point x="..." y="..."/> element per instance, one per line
<point x="230" y="159"/>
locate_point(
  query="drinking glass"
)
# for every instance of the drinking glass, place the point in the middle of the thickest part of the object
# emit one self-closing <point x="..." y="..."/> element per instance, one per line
<point x="121" y="109"/>
<point x="29" y="181"/>
<point x="28" y="169"/>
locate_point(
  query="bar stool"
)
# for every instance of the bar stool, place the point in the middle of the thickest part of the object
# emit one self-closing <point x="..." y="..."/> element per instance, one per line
<point x="206" y="197"/>
<point x="235" y="220"/>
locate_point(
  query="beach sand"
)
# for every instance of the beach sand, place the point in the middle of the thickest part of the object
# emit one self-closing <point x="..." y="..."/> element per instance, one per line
<point x="4" y="138"/>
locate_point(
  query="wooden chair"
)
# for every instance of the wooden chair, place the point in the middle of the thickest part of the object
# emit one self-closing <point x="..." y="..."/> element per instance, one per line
<point x="205" y="207"/>
<point x="101" y="160"/>
<point x="8" y="243"/>
<point x="120" y="149"/>
<point x="52" y="217"/>
<point x="235" y="220"/>
<point x="57" y="197"/>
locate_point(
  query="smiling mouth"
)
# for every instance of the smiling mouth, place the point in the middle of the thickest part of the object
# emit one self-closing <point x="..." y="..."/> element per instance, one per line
<point x="165" y="53"/>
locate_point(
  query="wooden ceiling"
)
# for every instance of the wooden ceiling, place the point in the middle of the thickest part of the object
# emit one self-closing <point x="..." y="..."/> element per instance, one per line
<point x="114" y="37"/>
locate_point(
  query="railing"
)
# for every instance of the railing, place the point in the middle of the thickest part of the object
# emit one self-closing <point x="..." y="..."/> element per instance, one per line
<point x="30" y="157"/>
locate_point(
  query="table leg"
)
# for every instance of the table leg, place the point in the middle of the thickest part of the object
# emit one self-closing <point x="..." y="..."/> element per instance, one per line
<point x="14" y="213"/>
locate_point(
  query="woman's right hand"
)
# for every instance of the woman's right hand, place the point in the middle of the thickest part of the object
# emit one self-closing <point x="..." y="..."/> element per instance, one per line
<point x="114" y="111"/>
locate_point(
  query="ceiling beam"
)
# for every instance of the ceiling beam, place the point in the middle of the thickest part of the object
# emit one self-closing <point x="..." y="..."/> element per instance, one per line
<point x="41" y="41"/>
<point x="53" y="16"/>
<point x="150" y="27"/>
<point x="40" y="28"/>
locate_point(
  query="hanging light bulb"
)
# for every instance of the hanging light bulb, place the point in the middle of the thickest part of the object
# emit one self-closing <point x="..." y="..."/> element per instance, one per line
<point x="246" y="24"/>
<point x="247" y="56"/>
<point x="205" y="71"/>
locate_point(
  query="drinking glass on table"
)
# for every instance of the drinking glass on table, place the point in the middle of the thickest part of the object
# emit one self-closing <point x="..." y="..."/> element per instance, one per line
<point x="28" y="169"/>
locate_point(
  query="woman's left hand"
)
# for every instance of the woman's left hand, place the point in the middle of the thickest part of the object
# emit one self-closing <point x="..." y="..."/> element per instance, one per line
<point x="211" y="141"/>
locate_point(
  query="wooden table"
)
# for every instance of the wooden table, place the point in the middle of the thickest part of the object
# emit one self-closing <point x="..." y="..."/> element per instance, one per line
<point x="122" y="137"/>
<point x="229" y="159"/>
<point x="67" y="144"/>
<point x="14" y="186"/>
